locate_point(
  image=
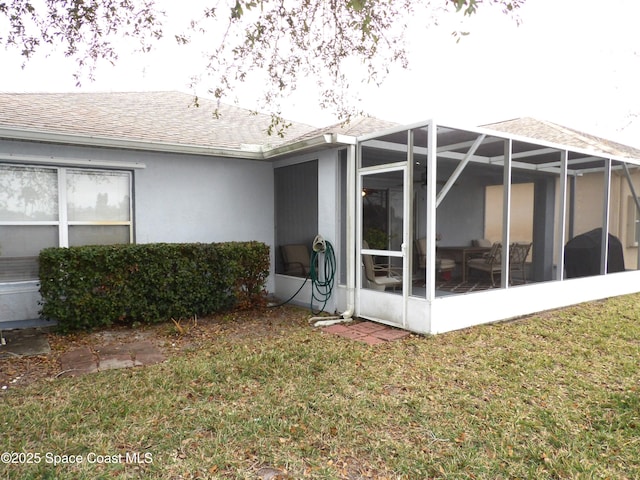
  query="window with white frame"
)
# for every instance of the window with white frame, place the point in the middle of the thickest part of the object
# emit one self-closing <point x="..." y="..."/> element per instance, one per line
<point x="57" y="206"/>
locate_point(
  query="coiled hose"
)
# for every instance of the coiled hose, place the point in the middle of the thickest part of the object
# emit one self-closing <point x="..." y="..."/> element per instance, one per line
<point x="321" y="286"/>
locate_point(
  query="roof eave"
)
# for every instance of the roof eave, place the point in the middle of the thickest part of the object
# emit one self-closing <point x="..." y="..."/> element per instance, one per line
<point x="321" y="141"/>
<point x="112" y="142"/>
<point x="327" y="140"/>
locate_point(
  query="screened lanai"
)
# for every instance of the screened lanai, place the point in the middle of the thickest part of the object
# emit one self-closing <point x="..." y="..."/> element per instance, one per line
<point x="456" y="227"/>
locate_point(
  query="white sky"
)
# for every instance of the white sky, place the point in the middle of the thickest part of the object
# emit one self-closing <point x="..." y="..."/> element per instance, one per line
<point x="573" y="62"/>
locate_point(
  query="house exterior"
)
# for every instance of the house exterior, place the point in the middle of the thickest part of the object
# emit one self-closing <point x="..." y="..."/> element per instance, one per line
<point x="91" y="168"/>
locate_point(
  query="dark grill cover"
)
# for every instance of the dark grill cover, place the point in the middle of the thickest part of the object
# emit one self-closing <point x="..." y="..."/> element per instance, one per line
<point x="582" y="255"/>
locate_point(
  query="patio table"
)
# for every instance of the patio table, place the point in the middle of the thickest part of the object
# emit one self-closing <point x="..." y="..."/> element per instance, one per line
<point x="461" y="254"/>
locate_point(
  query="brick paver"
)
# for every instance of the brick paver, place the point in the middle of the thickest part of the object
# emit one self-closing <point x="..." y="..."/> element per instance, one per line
<point x="390" y="334"/>
<point x="367" y="332"/>
<point x="369" y="327"/>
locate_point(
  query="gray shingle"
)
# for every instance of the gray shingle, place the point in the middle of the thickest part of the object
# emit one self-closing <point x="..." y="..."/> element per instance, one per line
<point x="166" y="117"/>
<point x="551" y="132"/>
<point x="173" y="118"/>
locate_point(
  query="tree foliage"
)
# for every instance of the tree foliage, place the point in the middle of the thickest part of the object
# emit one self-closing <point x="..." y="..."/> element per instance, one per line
<point x="338" y="43"/>
<point x="83" y="29"/>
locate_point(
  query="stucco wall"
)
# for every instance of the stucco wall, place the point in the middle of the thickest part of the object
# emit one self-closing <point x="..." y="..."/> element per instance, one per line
<point x="521" y="221"/>
<point x="589" y="197"/>
<point x="200" y="199"/>
<point x="177" y="198"/>
<point x="460" y="216"/>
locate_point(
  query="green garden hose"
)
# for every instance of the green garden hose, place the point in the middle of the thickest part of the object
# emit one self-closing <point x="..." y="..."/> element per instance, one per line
<point x="321" y="287"/>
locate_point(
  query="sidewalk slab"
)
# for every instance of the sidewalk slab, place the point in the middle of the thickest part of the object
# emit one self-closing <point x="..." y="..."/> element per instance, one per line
<point x="24" y="342"/>
<point x="112" y="363"/>
<point x="146" y="353"/>
<point x="113" y="356"/>
<point x="78" y="362"/>
<point x="109" y="357"/>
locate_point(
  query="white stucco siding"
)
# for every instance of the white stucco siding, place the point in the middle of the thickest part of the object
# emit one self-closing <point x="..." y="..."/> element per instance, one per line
<point x="176" y="198"/>
<point x="328" y="197"/>
<point x="200" y="199"/>
<point x="204" y="199"/>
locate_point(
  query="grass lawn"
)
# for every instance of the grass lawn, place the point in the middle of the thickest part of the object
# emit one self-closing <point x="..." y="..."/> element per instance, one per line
<point x="550" y="396"/>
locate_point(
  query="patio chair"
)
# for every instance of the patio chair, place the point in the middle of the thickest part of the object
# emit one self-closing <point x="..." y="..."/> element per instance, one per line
<point x="518" y="253"/>
<point x="481" y="242"/>
<point x="296" y="259"/>
<point x="379" y="276"/>
<point x="490" y="262"/>
<point x="444" y="266"/>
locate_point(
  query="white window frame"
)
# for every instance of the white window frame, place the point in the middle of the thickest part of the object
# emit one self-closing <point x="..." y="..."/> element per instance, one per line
<point x="62" y="223"/>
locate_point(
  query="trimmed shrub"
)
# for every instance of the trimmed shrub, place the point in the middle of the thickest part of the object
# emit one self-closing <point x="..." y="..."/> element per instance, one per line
<point x="93" y="286"/>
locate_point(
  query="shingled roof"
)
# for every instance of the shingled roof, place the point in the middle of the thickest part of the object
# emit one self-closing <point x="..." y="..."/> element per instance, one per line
<point x="554" y="133"/>
<point x="171" y="120"/>
<point x="161" y="117"/>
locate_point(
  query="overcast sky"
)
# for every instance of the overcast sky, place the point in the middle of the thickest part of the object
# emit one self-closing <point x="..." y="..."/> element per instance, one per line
<point x="573" y="62"/>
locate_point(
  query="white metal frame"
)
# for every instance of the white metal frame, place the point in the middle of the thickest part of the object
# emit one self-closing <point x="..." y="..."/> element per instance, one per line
<point x="369" y="301"/>
<point x="441" y="314"/>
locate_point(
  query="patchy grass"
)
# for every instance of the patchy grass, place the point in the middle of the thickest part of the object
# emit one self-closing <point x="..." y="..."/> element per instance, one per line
<point x="549" y="396"/>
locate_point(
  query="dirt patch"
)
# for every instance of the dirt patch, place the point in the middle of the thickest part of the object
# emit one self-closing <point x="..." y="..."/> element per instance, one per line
<point x="171" y="338"/>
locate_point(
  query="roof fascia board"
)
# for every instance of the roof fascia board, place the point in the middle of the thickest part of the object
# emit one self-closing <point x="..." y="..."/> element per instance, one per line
<point x="77" y="162"/>
<point x="344" y="139"/>
<point x="325" y="140"/>
<point x="149" y="145"/>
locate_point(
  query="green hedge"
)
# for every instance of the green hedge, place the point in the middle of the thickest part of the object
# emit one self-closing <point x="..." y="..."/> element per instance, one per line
<point x="92" y="286"/>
